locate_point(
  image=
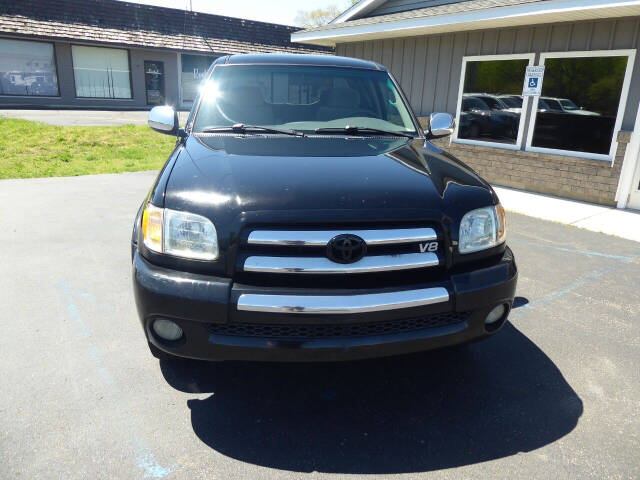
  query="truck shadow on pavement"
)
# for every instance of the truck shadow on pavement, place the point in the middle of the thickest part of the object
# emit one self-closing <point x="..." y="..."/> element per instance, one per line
<point x="413" y="413"/>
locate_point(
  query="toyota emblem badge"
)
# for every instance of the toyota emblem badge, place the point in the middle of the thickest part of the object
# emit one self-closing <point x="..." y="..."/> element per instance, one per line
<point x="346" y="248"/>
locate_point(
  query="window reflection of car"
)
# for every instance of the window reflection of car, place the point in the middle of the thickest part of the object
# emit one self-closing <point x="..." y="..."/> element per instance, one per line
<point x="563" y="115"/>
<point x="512" y="102"/>
<point x="562" y="105"/>
<point x="486" y="115"/>
<point x="474" y="117"/>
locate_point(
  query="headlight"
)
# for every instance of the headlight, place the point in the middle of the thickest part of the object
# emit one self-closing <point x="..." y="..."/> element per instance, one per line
<point x="180" y="234"/>
<point x="482" y="228"/>
<point x="152" y="227"/>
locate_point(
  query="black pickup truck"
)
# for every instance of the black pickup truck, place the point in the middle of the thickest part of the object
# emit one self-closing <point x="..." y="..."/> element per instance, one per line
<point x="304" y="215"/>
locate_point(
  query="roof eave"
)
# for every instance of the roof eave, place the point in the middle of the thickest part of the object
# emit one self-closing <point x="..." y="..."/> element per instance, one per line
<point x="361" y="8"/>
<point x="552" y="11"/>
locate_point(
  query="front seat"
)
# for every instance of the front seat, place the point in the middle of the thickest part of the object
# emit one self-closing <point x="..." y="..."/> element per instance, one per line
<point x="246" y="105"/>
<point x="338" y="103"/>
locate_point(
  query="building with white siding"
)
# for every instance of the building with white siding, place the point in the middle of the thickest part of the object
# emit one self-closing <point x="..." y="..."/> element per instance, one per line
<point x="469" y="58"/>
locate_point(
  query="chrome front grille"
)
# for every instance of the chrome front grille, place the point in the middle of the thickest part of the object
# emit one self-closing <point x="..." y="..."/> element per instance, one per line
<point x="320" y="265"/>
<point x="304" y="251"/>
<point x="342" y="304"/>
<point x="320" y="238"/>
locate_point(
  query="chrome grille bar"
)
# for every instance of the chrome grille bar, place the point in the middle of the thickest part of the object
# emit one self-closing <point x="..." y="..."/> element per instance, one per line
<point x="341" y="304"/>
<point x="322" y="265"/>
<point x="316" y="238"/>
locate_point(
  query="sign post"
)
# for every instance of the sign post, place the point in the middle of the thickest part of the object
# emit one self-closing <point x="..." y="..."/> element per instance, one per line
<point x="533" y="81"/>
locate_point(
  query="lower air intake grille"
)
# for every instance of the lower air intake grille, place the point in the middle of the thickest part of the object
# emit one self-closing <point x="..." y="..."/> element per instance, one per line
<point x="339" y="330"/>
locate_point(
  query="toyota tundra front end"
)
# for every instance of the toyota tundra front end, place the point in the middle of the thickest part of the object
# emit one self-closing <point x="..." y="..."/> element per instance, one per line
<point x="305" y="216"/>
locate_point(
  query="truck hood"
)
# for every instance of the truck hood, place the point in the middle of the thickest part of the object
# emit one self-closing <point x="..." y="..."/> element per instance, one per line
<point x="272" y="179"/>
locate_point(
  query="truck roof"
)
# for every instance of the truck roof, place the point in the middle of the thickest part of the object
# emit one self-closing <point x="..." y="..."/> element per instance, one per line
<point x="298" y="59"/>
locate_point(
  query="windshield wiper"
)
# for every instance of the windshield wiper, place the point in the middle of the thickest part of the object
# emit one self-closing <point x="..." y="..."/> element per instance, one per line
<point x="349" y="130"/>
<point x="242" y="128"/>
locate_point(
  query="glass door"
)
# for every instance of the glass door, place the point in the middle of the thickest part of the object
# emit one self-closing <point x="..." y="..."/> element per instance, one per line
<point x="154" y="82"/>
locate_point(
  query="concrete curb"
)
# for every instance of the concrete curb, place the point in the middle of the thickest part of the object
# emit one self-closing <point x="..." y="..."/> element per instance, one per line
<point x="596" y="218"/>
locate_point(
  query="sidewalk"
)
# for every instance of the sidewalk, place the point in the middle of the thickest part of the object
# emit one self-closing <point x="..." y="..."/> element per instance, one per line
<point x="597" y="218"/>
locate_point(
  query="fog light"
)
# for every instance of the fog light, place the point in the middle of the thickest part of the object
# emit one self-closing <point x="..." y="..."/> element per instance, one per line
<point x="495" y="314"/>
<point x="167" y="329"/>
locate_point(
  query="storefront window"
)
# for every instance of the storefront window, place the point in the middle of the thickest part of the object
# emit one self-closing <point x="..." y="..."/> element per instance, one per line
<point x="491" y="103"/>
<point x="194" y="68"/>
<point x="101" y="72"/>
<point x="578" y="107"/>
<point x="27" y="68"/>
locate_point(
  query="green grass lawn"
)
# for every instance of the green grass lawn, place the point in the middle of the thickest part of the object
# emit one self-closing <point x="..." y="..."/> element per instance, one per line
<point x="33" y="149"/>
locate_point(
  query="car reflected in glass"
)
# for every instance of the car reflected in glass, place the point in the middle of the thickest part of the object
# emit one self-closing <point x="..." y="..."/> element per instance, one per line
<point x="512" y="102"/>
<point x="562" y="105"/>
<point x="491" y="103"/>
<point x="487" y="117"/>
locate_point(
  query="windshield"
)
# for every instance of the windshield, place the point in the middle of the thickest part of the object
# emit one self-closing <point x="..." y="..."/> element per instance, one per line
<point x="494" y="104"/>
<point x="551" y="104"/>
<point x="568" y="105"/>
<point x="512" y="102"/>
<point x="473" y="103"/>
<point x="301" y="98"/>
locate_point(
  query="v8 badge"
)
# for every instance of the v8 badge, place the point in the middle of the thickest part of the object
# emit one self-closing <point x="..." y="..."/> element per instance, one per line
<point x="428" y="247"/>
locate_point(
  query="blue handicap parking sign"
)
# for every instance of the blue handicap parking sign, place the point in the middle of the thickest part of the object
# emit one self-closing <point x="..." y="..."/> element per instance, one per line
<point x="533" y="79"/>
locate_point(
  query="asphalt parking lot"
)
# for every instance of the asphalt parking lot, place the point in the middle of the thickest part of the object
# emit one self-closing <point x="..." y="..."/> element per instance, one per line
<point x="555" y="395"/>
<point x="87" y="118"/>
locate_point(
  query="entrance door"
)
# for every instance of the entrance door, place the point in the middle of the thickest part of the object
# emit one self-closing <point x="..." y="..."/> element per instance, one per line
<point x="634" y="196"/>
<point x="154" y="82"/>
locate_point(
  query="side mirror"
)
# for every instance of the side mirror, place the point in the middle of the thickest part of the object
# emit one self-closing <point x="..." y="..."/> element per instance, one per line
<point x="164" y="119"/>
<point x="440" y="125"/>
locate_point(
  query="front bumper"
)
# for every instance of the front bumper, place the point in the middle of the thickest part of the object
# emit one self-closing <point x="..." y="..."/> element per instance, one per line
<point x="218" y="325"/>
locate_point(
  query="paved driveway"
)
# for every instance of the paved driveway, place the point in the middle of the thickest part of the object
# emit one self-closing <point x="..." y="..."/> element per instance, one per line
<point x="554" y="395"/>
<point x="90" y="118"/>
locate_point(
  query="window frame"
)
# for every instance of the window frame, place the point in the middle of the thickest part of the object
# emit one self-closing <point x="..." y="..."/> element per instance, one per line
<point x="73" y="72"/>
<point x="525" y="102"/>
<point x="179" y="66"/>
<point x="624" y="93"/>
<point x="55" y="64"/>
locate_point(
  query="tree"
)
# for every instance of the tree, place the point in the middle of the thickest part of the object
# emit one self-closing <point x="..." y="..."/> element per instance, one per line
<point x="321" y="16"/>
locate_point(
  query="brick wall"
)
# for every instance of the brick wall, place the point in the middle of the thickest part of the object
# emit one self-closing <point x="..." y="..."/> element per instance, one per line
<point x="581" y="179"/>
